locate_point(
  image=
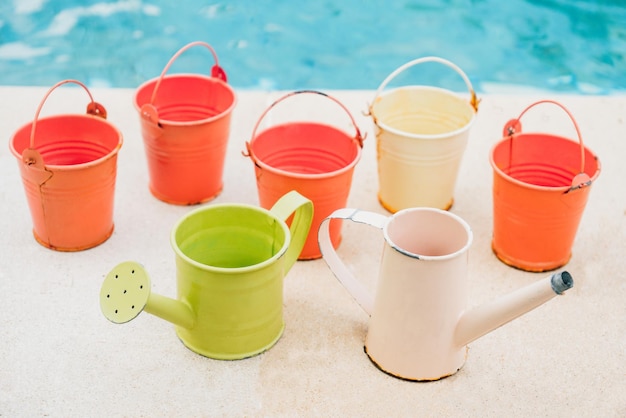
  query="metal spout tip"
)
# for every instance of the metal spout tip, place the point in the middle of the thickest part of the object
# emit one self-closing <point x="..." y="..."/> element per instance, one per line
<point x="561" y="282"/>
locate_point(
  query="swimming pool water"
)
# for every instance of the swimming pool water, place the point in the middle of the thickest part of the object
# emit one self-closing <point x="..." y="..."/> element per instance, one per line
<point x="558" y="45"/>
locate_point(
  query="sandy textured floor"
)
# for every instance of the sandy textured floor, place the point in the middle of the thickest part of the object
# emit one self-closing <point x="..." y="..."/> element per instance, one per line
<point x="59" y="356"/>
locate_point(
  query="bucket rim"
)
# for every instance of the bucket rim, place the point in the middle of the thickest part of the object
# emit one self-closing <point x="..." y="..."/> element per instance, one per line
<point x="70" y="167"/>
<point x="474" y="100"/>
<point x="310" y="176"/>
<point x="230" y="270"/>
<point x="520" y="183"/>
<point x="395" y="131"/>
<point x="168" y="122"/>
<point x="357" y="140"/>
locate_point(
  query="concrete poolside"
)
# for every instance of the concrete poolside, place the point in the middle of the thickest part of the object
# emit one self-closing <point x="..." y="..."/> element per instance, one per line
<point x="59" y="356"/>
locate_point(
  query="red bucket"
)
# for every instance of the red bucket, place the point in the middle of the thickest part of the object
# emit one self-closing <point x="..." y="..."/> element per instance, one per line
<point x="541" y="185"/>
<point x="315" y="159"/>
<point x="68" y="165"/>
<point x="185" y="124"/>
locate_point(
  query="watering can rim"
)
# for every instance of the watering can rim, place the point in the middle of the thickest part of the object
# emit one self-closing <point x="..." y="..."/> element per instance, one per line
<point x="69" y="167"/>
<point x="461" y="221"/>
<point x="230" y="270"/>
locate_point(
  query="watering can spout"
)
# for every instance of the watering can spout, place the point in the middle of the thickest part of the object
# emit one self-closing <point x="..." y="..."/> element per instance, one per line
<point x="125" y="292"/>
<point x="479" y="321"/>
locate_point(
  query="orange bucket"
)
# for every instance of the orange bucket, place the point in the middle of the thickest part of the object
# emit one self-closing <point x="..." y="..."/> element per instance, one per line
<point x="540" y="188"/>
<point x="315" y="159"/>
<point x="185" y="125"/>
<point x="68" y="165"/>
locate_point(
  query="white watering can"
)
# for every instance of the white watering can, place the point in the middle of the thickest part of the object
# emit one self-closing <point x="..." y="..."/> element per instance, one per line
<point x="419" y="326"/>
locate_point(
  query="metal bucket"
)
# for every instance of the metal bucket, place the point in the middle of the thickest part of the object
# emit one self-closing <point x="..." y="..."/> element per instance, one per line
<point x="185" y="124"/>
<point x="421" y="134"/>
<point x="68" y="165"/>
<point x="541" y="184"/>
<point x="314" y="159"/>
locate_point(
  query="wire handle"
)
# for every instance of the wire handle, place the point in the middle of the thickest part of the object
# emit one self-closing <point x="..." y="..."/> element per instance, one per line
<point x="216" y="70"/>
<point x="514" y="126"/>
<point x="93" y="108"/>
<point x="357" y="137"/>
<point x="474" y="101"/>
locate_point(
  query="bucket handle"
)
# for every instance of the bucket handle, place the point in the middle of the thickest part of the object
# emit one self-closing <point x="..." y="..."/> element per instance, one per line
<point x="474" y="101"/>
<point x="216" y="70"/>
<point x="514" y="126"/>
<point x="31" y="156"/>
<point x="357" y="137"/>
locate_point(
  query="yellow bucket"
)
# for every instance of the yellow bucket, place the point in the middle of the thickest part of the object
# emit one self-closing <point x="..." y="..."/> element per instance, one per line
<point x="421" y="134"/>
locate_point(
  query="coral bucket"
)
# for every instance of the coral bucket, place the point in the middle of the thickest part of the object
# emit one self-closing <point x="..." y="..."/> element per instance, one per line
<point x="185" y="125"/>
<point x="541" y="184"/>
<point x="315" y="159"/>
<point x="421" y="134"/>
<point x="68" y="165"/>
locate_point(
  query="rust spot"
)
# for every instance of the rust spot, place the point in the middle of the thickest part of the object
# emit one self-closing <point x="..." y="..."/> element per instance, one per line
<point x="96" y="109"/>
<point x="408" y="379"/>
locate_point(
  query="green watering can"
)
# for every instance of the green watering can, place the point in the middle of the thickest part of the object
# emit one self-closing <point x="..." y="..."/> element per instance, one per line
<point x="231" y="260"/>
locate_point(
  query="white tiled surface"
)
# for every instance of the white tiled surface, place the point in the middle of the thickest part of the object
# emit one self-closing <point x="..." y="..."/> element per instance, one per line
<point x="60" y="357"/>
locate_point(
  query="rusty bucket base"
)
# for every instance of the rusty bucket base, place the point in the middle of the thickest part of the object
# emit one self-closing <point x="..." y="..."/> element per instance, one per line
<point x="537" y="268"/>
<point x="392" y="210"/>
<point x="47" y="244"/>
<point x="165" y="199"/>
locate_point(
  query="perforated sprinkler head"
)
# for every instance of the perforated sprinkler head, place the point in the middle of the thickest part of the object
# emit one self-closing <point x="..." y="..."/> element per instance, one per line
<point x="125" y="292"/>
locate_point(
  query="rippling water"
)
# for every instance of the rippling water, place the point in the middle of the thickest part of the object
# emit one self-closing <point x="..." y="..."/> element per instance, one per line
<point x="558" y="45"/>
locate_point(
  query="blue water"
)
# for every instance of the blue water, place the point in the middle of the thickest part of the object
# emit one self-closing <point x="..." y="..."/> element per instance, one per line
<point x="573" y="46"/>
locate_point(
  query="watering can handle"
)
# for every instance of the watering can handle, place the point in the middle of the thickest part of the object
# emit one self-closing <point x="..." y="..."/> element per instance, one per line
<point x="216" y="70"/>
<point x="302" y="209"/>
<point x="93" y="108"/>
<point x="364" y="298"/>
<point x="514" y="126"/>
<point x="474" y="101"/>
<point x="357" y="137"/>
